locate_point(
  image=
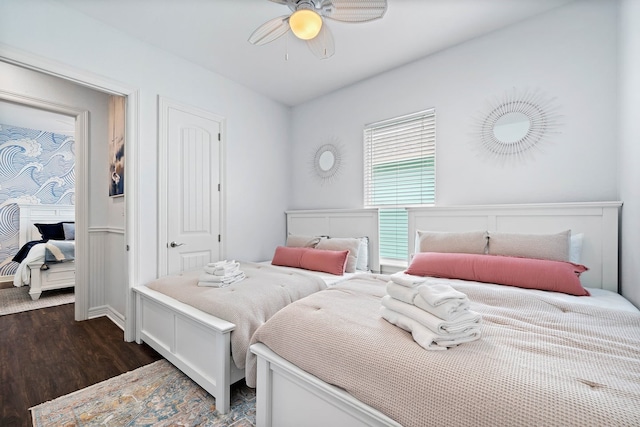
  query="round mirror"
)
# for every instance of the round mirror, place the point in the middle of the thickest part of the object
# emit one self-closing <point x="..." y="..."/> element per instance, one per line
<point x="511" y="127"/>
<point x="326" y="160"/>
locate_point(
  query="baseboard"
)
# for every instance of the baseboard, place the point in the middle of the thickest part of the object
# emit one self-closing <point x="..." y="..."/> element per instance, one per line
<point x="108" y="311"/>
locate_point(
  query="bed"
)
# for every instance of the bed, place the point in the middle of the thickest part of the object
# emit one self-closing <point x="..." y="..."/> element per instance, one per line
<point x="34" y="271"/>
<point x="199" y="343"/>
<point x="530" y="367"/>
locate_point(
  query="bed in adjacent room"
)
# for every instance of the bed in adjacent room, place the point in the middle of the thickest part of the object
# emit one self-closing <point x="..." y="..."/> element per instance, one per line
<point x="547" y="354"/>
<point x="205" y="331"/>
<point x="47" y="248"/>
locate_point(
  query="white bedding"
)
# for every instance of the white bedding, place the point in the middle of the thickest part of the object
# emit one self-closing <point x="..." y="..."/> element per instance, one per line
<point x="599" y="297"/>
<point x="36" y="254"/>
<point x="22" y="276"/>
<point x="329" y="279"/>
<point x="560" y="360"/>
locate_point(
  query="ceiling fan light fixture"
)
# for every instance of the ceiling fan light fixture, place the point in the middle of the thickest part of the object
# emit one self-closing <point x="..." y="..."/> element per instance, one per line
<point x="305" y="24"/>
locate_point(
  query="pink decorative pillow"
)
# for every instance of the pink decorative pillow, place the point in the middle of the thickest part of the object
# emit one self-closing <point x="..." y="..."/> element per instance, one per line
<point x="333" y="262"/>
<point x="557" y="276"/>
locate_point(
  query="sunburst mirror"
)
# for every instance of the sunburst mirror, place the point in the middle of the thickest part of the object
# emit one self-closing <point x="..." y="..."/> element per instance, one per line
<point x="517" y="122"/>
<point x="327" y="161"/>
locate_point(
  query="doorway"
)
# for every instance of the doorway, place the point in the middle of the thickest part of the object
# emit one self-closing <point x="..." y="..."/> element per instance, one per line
<point x="85" y="278"/>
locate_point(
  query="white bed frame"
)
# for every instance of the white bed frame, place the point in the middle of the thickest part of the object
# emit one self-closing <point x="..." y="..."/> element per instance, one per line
<point x="198" y="343"/>
<point x="289" y="396"/>
<point x="57" y="276"/>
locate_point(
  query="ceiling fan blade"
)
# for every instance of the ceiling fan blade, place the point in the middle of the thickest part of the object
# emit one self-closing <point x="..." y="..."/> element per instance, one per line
<point x="270" y="30"/>
<point x="354" y="10"/>
<point x="322" y="45"/>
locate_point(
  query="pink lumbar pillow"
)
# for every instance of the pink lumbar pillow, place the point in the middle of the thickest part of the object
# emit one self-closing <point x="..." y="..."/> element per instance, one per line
<point x="557" y="276"/>
<point x="333" y="262"/>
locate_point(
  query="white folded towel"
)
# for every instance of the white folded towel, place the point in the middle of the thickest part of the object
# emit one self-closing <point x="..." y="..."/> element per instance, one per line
<point x="220" y="281"/>
<point x="425" y="337"/>
<point x="465" y="321"/>
<point x="213" y="284"/>
<point x="407" y="280"/>
<point x="436" y="293"/>
<point x="449" y="310"/>
<point x="224" y="270"/>
<point x="206" y="277"/>
<point x="401" y="293"/>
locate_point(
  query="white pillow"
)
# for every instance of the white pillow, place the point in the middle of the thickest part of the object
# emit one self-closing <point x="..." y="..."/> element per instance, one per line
<point x="362" y="264"/>
<point x="575" y="248"/>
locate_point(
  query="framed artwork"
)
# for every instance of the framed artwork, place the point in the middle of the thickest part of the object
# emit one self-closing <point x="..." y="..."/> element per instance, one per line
<point x="116" y="145"/>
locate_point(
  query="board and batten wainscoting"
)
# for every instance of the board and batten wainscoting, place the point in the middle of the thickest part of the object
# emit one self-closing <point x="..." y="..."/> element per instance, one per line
<point x="108" y="272"/>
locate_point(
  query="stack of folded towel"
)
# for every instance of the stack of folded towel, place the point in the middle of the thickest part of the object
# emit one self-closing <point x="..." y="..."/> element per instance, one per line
<point x="437" y="315"/>
<point x="221" y="274"/>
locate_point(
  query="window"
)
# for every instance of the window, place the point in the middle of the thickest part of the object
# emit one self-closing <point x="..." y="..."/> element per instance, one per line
<point x="399" y="171"/>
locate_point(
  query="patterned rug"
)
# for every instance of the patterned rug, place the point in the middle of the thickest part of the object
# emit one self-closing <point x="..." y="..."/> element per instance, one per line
<point x="16" y="300"/>
<point x="154" y="395"/>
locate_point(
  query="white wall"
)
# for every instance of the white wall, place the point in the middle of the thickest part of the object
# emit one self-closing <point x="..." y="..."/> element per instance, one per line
<point x="586" y="54"/>
<point x="630" y="147"/>
<point x="257" y="128"/>
<point x="570" y="53"/>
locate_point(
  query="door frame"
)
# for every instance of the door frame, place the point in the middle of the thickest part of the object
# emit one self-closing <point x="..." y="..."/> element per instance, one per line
<point x="81" y="137"/>
<point x="132" y="239"/>
<point x="164" y="104"/>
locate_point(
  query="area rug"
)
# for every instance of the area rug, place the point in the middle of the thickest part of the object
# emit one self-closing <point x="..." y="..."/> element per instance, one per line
<point x="16" y="300"/>
<point x="154" y="395"/>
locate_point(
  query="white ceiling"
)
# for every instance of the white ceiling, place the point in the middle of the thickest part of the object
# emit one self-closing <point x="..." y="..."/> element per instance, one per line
<point x="214" y="33"/>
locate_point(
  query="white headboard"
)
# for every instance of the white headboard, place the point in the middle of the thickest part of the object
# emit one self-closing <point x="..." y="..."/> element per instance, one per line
<point x="45" y="214"/>
<point x="339" y="223"/>
<point x="598" y="221"/>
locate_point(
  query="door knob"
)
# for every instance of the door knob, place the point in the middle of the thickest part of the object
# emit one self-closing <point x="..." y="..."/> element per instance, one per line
<point x="175" y="245"/>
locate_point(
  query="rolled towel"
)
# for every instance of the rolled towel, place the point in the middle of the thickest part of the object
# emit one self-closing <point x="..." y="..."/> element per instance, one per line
<point x="436" y="293"/>
<point x="407" y="280"/>
<point x="401" y="293"/>
<point x="425" y="337"/>
<point x="465" y="321"/>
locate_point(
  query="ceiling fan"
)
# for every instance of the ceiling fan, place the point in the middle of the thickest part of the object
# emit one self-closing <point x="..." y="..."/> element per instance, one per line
<point x="307" y="21"/>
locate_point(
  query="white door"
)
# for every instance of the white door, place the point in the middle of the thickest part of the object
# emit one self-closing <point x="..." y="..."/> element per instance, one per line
<point x="193" y="150"/>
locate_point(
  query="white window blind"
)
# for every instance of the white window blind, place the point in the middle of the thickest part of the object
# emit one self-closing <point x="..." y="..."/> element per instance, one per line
<point x="399" y="171"/>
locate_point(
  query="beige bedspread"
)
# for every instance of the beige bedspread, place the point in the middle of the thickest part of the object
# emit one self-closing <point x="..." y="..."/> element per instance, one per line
<point x="539" y="362"/>
<point x="247" y="304"/>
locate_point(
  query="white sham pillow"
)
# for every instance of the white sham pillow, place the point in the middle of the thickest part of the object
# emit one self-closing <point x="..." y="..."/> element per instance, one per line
<point x="467" y="242"/>
<point x="362" y="263"/>
<point x="553" y="247"/>
<point x="575" y="248"/>
<point x="298" y="241"/>
<point x="340" y="244"/>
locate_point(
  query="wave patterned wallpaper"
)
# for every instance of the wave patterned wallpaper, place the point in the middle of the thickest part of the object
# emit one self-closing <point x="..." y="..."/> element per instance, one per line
<point x="36" y="167"/>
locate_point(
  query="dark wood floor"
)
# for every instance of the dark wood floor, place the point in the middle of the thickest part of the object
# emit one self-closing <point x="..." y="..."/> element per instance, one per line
<point x="45" y="354"/>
